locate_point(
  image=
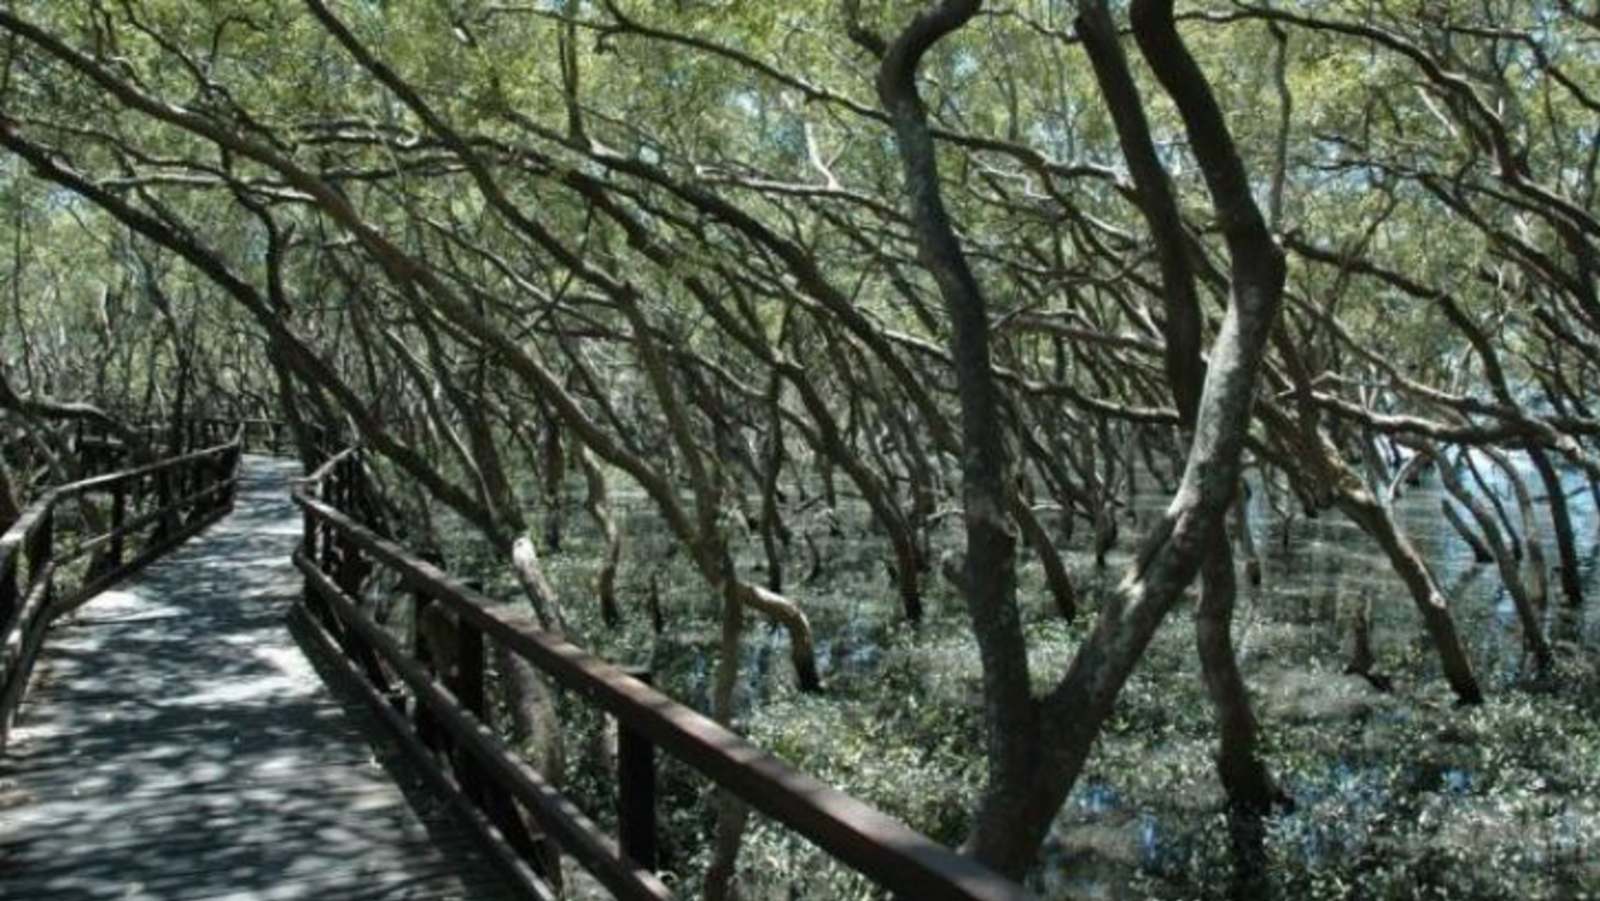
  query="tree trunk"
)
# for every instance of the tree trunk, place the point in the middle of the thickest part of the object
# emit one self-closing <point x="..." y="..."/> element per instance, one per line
<point x="597" y="501"/>
<point x="1560" y="517"/>
<point x="1251" y="789"/>
<point x="1538" y="576"/>
<point x="530" y="705"/>
<point x="10" y="506"/>
<point x="1512" y="535"/>
<point x="546" y="605"/>
<point x="1480" y="551"/>
<point x="1055" y="571"/>
<point x="1252" y="792"/>
<point x="772" y="528"/>
<point x="553" y="474"/>
<point x="1430" y="601"/>
<point x="1010" y="714"/>
<point x="802" y="644"/>
<point x="732" y="814"/>
<point x="1532" y="629"/>
<point x="1247" y="541"/>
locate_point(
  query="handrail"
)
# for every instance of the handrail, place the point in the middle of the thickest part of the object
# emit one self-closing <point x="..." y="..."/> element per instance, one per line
<point x="337" y="554"/>
<point x="187" y="493"/>
<point x="112" y="479"/>
<point x="98" y="448"/>
<point x="323" y="472"/>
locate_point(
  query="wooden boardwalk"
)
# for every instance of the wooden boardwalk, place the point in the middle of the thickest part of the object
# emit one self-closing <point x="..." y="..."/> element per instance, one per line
<point x="179" y="745"/>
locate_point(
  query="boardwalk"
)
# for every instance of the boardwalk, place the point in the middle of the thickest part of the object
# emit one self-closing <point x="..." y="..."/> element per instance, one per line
<point x="178" y="745"/>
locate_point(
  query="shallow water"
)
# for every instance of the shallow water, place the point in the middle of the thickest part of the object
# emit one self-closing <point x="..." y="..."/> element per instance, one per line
<point x="1311" y="583"/>
<point x="1120" y="836"/>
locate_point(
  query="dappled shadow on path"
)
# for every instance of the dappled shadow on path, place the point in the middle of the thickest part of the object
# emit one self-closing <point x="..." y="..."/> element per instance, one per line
<point x="178" y="744"/>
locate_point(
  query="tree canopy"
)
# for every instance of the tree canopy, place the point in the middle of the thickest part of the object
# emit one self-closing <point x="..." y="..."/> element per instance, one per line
<point x="990" y="268"/>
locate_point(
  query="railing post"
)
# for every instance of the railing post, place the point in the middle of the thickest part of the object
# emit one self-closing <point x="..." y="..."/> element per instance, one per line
<point x="211" y="473"/>
<point x="426" y="724"/>
<point x="466" y="682"/>
<point x="10" y="596"/>
<point x="94" y="450"/>
<point x="636" y="790"/>
<point x="308" y="537"/>
<point x="192" y="476"/>
<point x="328" y="492"/>
<point x="317" y="545"/>
<point x="41" y="546"/>
<point x="228" y="478"/>
<point x="119" y="515"/>
<point x="139" y="491"/>
<point x="165" y="526"/>
<point x="208" y="476"/>
<point x="351" y="573"/>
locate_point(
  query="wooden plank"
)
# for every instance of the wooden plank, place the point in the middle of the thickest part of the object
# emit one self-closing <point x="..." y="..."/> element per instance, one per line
<point x="345" y="883"/>
<point x="181" y="746"/>
<point x="509" y="859"/>
<point x="636" y="792"/>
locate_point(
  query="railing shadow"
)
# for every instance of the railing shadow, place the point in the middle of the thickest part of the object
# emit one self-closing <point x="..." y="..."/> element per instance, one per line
<point x="183" y="748"/>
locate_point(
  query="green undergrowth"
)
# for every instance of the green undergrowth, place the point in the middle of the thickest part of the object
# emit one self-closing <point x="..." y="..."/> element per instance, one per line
<point x="1400" y="795"/>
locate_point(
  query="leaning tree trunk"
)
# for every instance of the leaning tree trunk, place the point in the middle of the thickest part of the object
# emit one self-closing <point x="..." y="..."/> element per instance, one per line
<point x="1239" y="763"/>
<point x="989" y="578"/>
<point x="10" y="509"/>
<point x="774" y="535"/>
<point x="732" y="814"/>
<point x="1532" y="629"/>
<point x="1480" y="551"/>
<point x="553" y="474"/>
<point x="781" y="610"/>
<point x="1538" y="577"/>
<point x="830" y="450"/>
<point x="1431" y="604"/>
<point x="1242" y="533"/>
<point x="1510" y="531"/>
<point x="1250" y="787"/>
<point x="1056" y="579"/>
<point x="597" y="501"/>
<point x="1561" y="518"/>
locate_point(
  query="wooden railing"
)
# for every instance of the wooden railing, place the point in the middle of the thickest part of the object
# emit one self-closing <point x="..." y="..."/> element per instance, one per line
<point x="440" y="718"/>
<point x="256" y="436"/>
<point x="153" y="508"/>
<point x="98" y="449"/>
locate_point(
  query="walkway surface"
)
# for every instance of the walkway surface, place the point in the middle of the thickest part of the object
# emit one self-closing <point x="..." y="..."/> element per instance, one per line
<point x="178" y="745"/>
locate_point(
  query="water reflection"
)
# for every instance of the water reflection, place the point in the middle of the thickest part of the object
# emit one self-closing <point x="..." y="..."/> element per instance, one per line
<point x="1316" y="572"/>
<point x="1347" y="805"/>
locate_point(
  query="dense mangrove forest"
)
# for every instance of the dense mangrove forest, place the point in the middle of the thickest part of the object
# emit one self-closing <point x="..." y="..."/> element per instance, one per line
<point x="1149" y="448"/>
